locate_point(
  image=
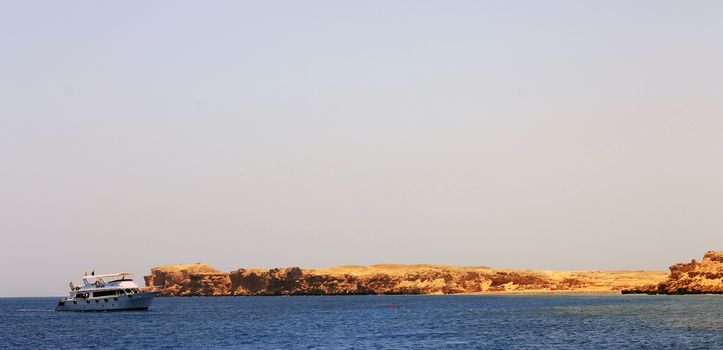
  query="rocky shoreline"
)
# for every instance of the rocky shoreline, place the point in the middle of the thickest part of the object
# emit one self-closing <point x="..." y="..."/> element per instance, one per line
<point x="204" y="280"/>
<point x="705" y="277"/>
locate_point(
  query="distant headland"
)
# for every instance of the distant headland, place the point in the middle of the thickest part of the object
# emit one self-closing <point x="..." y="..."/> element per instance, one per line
<point x="204" y="280"/>
<point x="705" y="277"/>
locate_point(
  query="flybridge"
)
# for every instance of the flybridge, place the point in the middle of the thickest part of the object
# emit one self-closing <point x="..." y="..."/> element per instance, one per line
<point x="106" y="275"/>
<point x="99" y="280"/>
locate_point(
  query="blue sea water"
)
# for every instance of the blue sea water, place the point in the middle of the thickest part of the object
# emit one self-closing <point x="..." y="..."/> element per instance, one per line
<point x="371" y="322"/>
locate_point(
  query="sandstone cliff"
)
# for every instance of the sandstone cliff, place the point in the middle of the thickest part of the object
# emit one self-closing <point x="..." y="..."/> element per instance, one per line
<point x="203" y="280"/>
<point x="705" y="277"/>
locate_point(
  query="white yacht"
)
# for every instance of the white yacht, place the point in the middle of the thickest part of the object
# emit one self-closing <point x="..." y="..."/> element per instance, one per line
<point x="115" y="291"/>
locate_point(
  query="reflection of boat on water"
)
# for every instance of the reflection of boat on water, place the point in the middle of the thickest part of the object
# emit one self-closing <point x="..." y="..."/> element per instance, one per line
<point x="115" y="291"/>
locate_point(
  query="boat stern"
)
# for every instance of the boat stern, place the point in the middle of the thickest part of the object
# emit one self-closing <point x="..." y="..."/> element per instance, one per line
<point x="61" y="305"/>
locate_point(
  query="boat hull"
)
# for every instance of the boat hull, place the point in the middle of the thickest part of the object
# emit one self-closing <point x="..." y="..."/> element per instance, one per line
<point x="138" y="301"/>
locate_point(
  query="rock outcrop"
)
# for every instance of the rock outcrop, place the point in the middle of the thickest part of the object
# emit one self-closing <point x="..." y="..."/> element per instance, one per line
<point x="705" y="277"/>
<point x="180" y="279"/>
<point x="203" y="280"/>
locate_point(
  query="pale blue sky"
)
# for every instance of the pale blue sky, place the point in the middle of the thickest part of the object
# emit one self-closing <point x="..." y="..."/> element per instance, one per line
<point x="521" y="134"/>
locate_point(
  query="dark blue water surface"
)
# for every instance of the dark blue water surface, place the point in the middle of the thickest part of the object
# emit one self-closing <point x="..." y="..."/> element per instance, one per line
<point x="368" y="322"/>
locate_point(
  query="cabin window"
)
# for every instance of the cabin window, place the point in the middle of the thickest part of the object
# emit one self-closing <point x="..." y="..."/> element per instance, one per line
<point x="105" y="293"/>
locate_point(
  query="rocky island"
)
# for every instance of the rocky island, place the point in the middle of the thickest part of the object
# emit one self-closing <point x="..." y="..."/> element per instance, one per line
<point x="705" y="277"/>
<point x="204" y="280"/>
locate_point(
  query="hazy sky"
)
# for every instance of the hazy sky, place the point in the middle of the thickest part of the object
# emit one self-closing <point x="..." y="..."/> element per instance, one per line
<point x="540" y="134"/>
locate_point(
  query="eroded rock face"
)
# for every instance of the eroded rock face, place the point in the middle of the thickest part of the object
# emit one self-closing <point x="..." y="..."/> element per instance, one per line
<point x="184" y="279"/>
<point x="705" y="277"/>
<point x="203" y="280"/>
